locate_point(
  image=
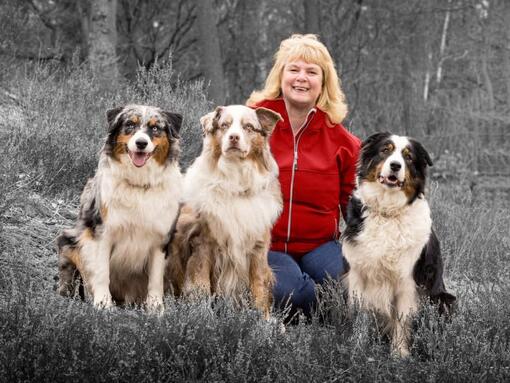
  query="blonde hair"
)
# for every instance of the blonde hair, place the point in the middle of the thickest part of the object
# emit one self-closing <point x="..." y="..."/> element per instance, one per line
<point x="307" y="48"/>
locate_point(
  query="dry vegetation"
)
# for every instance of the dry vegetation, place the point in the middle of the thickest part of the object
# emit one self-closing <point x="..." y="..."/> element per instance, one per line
<point x="49" y="150"/>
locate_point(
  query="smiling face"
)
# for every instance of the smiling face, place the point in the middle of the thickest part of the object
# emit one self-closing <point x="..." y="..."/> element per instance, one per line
<point x="301" y="83"/>
<point x="396" y="163"/>
<point x="139" y="133"/>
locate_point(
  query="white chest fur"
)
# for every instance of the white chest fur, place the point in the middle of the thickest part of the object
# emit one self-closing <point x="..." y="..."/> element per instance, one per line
<point x="138" y="218"/>
<point x="389" y="245"/>
<point x="240" y="207"/>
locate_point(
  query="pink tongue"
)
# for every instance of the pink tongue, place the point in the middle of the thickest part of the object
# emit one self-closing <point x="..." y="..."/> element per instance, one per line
<point x="139" y="158"/>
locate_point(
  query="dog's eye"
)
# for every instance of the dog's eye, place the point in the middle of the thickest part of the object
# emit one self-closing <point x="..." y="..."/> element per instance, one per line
<point x="155" y="129"/>
<point x="224" y="126"/>
<point x="406" y="153"/>
<point x="129" y="128"/>
<point x="249" y="127"/>
<point x="385" y="150"/>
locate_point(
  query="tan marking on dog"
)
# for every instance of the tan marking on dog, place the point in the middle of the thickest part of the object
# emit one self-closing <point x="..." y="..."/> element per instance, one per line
<point x="103" y="211"/>
<point x="162" y="148"/>
<point x="120" y="146"/>
<point x="216" y="145"/>
<point x="261" y="277"/>
<point x="409" y="187"/>
<point x="153" y="121"/>
<point x="134" y="119"/>
<point x="74" y="256"/>
<point x="257" y="153"/>
<point x="373" y="175"/>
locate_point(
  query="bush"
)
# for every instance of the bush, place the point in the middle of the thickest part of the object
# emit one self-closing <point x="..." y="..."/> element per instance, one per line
<point x="65" y="124"/>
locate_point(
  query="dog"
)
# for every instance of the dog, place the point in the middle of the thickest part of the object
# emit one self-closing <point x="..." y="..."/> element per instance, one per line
<point x="392" y="251"/>
<point x="232" y="199"/>
<point x="127" y="210"/>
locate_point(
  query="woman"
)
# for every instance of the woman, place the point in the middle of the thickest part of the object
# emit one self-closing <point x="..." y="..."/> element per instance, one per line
<point x="317" y="160"/>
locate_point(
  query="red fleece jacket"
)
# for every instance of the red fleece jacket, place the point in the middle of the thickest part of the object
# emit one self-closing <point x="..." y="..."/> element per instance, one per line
<point x="317" y="176"/>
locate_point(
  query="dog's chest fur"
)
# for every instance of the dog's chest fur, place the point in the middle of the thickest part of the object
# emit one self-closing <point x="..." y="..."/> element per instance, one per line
<point x="138" y="218"/>
<point x="389" y="242"/>
<point x="239" y="207"/>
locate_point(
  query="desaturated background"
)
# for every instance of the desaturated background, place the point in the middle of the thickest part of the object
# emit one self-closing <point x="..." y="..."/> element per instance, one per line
<point x="437" y="70"/>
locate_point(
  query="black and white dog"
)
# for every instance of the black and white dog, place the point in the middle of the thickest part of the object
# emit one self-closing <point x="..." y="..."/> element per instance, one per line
<point x="390" y="246"/>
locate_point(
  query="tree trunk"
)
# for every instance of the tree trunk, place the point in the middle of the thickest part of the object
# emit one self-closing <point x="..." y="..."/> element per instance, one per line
<point x="103" y="40"/>
<point x="506" y="53"/>
<point x="312" y="10"/>
<point x="212" y="65"/>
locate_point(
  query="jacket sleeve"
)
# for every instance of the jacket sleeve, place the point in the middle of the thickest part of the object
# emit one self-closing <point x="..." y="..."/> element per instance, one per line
<point x="348" y="158"/>
<point x="428" y="274"/>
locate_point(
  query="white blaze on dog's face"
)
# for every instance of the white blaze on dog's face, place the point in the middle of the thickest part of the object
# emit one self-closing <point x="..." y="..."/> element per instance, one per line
<point x="236" y="131"/>
<point x="393" y="170"/>
<point x="140" y="132"/>
<point x="395" y="163"/>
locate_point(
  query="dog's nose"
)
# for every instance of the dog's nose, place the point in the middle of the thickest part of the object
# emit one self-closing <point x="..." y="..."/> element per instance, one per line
<point x="234" y="138"/>
<point x="141" y="143"/>
<point x="395" y="166"/>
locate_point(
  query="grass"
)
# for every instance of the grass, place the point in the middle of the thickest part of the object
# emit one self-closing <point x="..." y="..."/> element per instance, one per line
<point x="45" y="337"/>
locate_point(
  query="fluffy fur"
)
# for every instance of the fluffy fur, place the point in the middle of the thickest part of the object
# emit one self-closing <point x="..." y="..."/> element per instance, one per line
<point x="126" y="211"/>
<point x="389" y="243"/>
<point x="232" y="199"/>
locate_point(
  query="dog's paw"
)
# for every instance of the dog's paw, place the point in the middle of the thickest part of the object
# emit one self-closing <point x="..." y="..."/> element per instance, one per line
<point x="400" y="351"/>
<point x="103" y="301"/>
<point x="154" y="305"/>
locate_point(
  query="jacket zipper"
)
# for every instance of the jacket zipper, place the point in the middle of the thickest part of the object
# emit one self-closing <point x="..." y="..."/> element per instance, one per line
<point x="296" y="138"/>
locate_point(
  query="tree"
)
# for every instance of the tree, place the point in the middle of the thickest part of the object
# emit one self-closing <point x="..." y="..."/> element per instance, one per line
<point x="312" y="17"/>
<point x="103" y="39"/>
<point x="211" y="63"/>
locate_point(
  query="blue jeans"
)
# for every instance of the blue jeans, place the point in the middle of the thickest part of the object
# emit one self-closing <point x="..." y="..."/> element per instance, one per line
<point x="296" y="280"/>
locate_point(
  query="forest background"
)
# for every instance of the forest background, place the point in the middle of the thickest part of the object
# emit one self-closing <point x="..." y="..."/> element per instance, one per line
<point x="437" y="70"/>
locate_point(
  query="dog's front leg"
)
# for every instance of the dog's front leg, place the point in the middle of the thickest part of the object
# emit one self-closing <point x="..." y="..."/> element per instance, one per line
<point x="261" y="278"/>
<point x="406" y="305"/>
<point x="100" y="272"/>
<point x="155" y="288"/>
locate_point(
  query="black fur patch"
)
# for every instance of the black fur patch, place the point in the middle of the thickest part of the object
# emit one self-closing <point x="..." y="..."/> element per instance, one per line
<point x="418" y="167"/>
<point x="66" y="240"/>
<point x="370" y="154"/>
<point x="114" y="126"/>
<point x="90" y="216"/>
<point x="428" y="274"/>
<point x="354" y="220"/>
<point x="174" y="123"/>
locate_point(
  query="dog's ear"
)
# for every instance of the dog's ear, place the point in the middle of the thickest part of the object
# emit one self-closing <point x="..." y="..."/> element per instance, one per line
<point x="375" y="138"/>
<point x="267" y="119"/>
<point x="420" y="149"/>
<point x="111" y="116"/>
<point x="207" y="122"/>
<point x="215" y="118"/>
<point x="174" y="121"/>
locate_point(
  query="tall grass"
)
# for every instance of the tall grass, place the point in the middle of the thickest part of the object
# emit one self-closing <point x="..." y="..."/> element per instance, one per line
<point x="44" y="337"/>
<point x="64" y="119"/>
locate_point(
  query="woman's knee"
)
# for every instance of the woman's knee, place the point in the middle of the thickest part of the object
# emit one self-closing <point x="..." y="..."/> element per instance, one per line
<point x="292" y="286"/>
